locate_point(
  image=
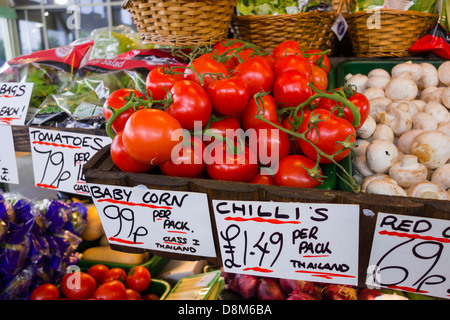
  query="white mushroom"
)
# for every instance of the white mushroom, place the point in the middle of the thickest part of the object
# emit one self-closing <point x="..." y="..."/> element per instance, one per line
<point x="408" y="70"/>
<point x="432" y="94"/>
<point x="376" y="176"/>
<point x="378" y="72"/>
<point x="360" y="147"/>
<point x="404" y="141"/>
<point x="358" y="80"/>
<point x="381" y="155"/>
<point x="385" y="187"/>
<point x="432" y="148"/>
<point x="445" y="97"/>
<point x="397" y="119"/>
<point x="420" y="104"/>
<point x="378" y="82"/>
<point x="384" y="132"/>
<point x="408" y="172"/>
<point x="428" y="190"/>
<point x="361" y="167"/>
<point x="367" y="129"/>
<point x="378" y="104"/>
<point x="441" y="176"/>
<point x="438" y="111"/>
<point x="444" y="127"/>
<point x="424" y="121"/>
<point x="408" y="106"/>
<point x="444" y="73"/>
<point x="429" y="77"/>
<point x="372" y="93"/>
<point x="402" y="89"/>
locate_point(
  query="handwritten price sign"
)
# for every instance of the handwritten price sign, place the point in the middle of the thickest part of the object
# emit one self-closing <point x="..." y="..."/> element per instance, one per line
<point x="14" y="101"/>
<point x="411" y="254"/>
<point x="8" y="165"/>
<point x="313" y="242"/>
<point x="171" y="221"/>
<point x="59" y="156"/>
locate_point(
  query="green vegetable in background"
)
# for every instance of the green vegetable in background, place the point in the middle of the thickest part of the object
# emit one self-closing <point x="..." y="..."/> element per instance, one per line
<point x="427" y="6"/>
<point x="266" y="7"/>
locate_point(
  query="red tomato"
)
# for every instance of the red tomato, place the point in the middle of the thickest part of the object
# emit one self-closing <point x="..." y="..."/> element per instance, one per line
<point x="78" y="285"/>
<point x="230" y="45"/>
<point x="220" y="127"/>
<point x="46" y="291"/>
<point x="314" y="60"/>
<point x="288" y="123"/>
<point x="207" y="67"/>
<point x="190" y="103"/>
<point x="258" y="74"/>
<point x="115" y="274"/>
<point x="272" y="144"/>
<point x="111" y="290"/>
<point x="260" y="178"/>
<point x="150" y="296"/>
<point x="131" y="294"/>
<point x="147" y="136"/>
<point x="138" y="278"/>
<point x="122" y="159"/>
<point x="159" y="78"/>
<point x="292" y="173"/>
<point x="267" y="108"/>
<point x="285" y="48"/>
<point x="319" y="77"/>
<point x="292" y="62"/>
<point x="291" y="89"/>
<point x="98" y="271"/>
<point x="228" y="96"/>
<point x="223" y="164"/>
<point x="188" y="162"/>
<point x="117" y="100"/>
<point x="358" y="99"/>
<point x="328" y="134"/>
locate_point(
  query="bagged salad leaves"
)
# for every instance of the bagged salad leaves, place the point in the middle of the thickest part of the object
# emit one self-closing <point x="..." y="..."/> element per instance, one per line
<point x="426" y="6"/>
<point x="39" y="240"/>
<point x="51" y="71"/>
<point x="80" y="105"/>
<point x="267" y="7"/>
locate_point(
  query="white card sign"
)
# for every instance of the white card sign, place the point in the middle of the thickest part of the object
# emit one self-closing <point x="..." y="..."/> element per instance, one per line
<point x="59" y="156"/>
<point x="8" y="164"/>
<point x="312" y="242"/>
<point x="14" y="101"/>
<point x="411" y="254"/>
<point x="171" y="221"/>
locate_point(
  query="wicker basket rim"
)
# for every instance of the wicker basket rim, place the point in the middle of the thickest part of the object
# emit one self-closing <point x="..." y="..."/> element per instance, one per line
<point x="127" y="3"/>
<point x="284" y="16"/>
<point x="394" y="12"/>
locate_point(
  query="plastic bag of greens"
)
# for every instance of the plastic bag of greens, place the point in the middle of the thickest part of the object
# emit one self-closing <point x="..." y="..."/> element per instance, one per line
<point x="426" y="6"/>
<point x="266" y="7"/>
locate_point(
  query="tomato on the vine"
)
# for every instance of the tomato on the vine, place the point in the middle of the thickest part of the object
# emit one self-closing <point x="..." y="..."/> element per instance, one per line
<point x="117" y="100"/>
<point x="207" y="67"/>
<point x="291" y="89"/>
<point x="230" y="46"/>
<point x="219" y="126"/>
<point x="147" y="136"/>
<point x="258" y="74"/>
<point x="111" y="290"/>
<point x="78" y="285"/>
<point x="292" y="172"/>
<point x="115" y="274"/>
<point x="228" y="96"/>
<point x="287" y="47"/>
<point x="98" y="271"/>
<point x="46" y="291"/>
<point x="190" y="103"/>
<point x="138" y="278"/>
<point x="267" y="108"/>
<point x="272" y="144"/>
<point x="122" y="159"/>
<point x="292" y="62"/>
<point x="160" y="78"/>
<point x="261" y="178"/>
<point x="313" y="59"/>
<point x="331" y="135"/>
<point x="187" y="159"/>
<point x="319" y="77"/>
<point x="231" y="165"/>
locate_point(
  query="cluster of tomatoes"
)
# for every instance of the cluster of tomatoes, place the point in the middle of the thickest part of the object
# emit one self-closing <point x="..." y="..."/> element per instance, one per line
<point x="232" y="87"/>
<point x="99" y="283"/>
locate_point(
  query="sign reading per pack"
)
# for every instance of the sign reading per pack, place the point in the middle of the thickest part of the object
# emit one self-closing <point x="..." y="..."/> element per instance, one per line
<point x="312" y="242"/>
<point x="170" y="221"/>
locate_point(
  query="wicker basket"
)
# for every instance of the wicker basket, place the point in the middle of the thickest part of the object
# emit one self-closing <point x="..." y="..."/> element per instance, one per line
<point x="181" y="22"/>
<point x="397" y="32"/>
<point x="311" y="29"/>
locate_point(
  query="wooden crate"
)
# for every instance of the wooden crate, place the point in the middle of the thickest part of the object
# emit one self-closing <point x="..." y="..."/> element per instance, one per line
<point x="101" y="170"/>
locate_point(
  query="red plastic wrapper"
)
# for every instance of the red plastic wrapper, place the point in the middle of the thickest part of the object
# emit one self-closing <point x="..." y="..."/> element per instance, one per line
<point x="436" y="40"/>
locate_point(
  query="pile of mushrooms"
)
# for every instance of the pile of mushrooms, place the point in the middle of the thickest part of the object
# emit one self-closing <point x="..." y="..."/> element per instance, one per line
<point x="403" y="148"/>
